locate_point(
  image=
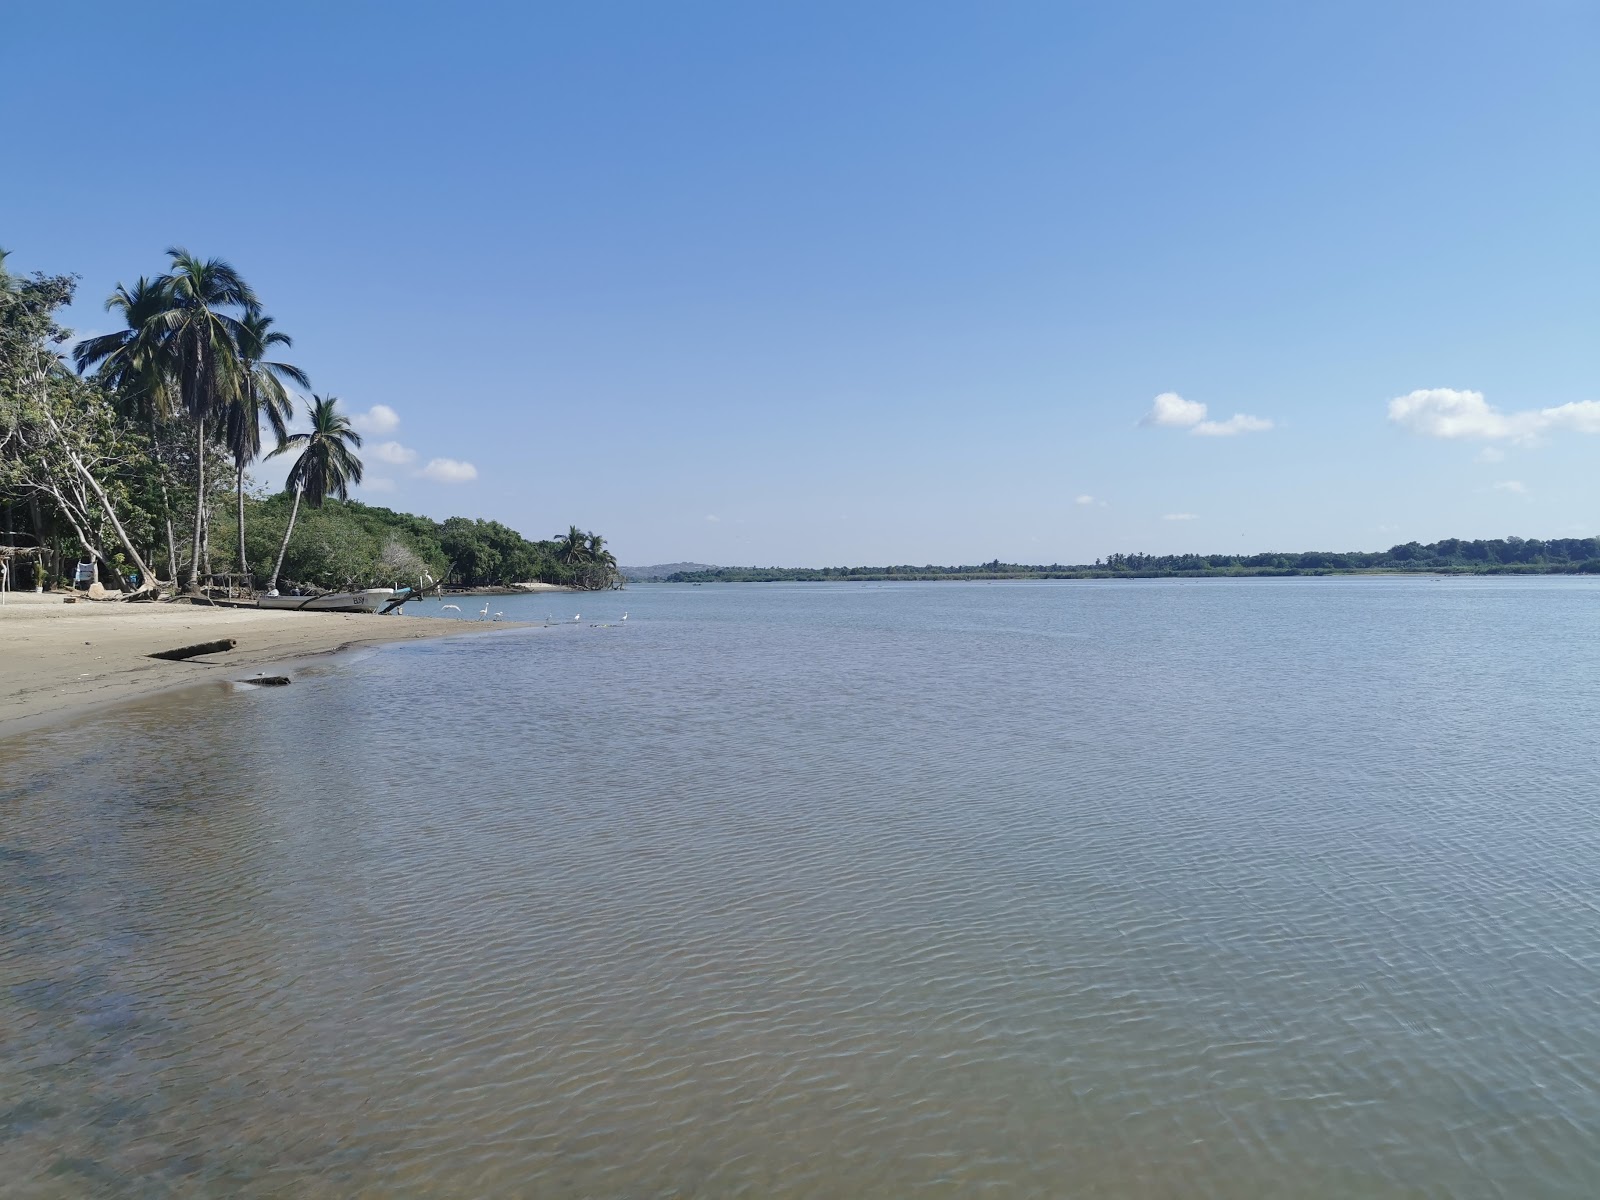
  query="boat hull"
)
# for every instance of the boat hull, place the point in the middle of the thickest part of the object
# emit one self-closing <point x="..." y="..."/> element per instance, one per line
<point x="370" y="600"/>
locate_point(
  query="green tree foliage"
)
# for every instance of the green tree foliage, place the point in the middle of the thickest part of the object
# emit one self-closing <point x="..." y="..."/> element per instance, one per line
<point x="65" y="453"/>
<point x="347" y="544"/>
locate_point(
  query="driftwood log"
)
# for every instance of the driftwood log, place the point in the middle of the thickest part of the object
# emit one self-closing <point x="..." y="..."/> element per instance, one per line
<point x="183" y="652"/>
<point x="268" y="681"/>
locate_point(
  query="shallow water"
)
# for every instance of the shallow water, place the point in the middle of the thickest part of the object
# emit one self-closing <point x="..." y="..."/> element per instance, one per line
<point x="1228" y="889"/>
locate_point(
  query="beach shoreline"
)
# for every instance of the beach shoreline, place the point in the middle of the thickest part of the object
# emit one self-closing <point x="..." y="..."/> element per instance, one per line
<point x="60" y="660"/>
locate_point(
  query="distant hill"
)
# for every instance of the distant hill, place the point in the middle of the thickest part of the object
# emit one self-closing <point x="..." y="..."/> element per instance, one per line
<point x="662" y="570"/>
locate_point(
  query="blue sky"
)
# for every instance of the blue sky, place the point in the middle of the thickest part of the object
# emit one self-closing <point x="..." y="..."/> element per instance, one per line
<point x="889" y="282"/>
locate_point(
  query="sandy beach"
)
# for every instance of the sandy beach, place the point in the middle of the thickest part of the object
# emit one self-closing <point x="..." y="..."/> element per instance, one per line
<point x="58" y="658"/>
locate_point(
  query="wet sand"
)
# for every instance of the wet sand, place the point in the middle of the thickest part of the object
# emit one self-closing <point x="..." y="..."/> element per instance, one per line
<point x="57" y="659"/>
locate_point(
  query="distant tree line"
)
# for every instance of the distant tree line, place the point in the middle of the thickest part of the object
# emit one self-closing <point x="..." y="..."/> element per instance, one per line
<point x="1455" y="556"/>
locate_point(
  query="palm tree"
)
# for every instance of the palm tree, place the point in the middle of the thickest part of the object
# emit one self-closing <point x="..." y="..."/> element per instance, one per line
<point x="599" y="555"/>
<point x="135" y="363"/>
<point x="326" y="467"/>
<point x="260" y="395"/>
<point x="204" y="343"/>
<point x="135" y="366"/>
<point x="601" y="565"/>
<point x="572" y="547"/>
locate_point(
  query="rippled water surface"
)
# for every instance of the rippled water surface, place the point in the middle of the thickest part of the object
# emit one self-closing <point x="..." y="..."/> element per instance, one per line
<point x="1221" y="889"/>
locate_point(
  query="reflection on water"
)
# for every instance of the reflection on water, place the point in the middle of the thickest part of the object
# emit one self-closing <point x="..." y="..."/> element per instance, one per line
<point x="1230" y="889"/>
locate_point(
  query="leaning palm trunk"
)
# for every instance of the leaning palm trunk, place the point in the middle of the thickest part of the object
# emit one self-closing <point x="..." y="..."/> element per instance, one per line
<point x="294" y="511"/>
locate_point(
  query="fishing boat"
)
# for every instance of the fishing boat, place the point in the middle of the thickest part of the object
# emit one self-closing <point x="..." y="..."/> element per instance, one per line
<point x="367" y="600"/>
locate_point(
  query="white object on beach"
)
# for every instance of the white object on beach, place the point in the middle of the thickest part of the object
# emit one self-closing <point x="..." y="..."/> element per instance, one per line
<point x="369" y="601"/>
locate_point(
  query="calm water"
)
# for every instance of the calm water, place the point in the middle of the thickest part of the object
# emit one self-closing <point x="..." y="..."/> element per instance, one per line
<point x="1226" y="889"/>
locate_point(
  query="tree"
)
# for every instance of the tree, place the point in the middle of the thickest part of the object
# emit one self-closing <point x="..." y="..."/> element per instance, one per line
<point x="59" y="437"/>
<point x="601" y="569"/>
<point x="203" y="340"/>
<point x="260" y="395"/>
<point x="572" y="547"/>
<point x="326" y="467"/>
<point x="136" y="368"/>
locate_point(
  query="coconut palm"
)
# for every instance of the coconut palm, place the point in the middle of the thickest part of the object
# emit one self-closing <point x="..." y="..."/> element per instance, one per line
<point x="598" y="553"/>
<point x="326" y="467"/>
<point x="135" y="362"/>
<point x="259" y="396"/>
<point x="572" y="547"/>
<point x="203" y="340"/>
<point x="135" y="366"/>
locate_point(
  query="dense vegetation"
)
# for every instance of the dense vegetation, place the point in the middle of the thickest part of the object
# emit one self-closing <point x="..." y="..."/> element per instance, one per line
<point x="1450" y="556"/>
<point x="132" y="450"/>
<point x="346" y="540"/>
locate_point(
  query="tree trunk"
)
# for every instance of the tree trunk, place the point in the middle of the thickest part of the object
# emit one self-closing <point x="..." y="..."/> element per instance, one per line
<point x="172" y="545"/>
<point x="294" y="511"/>
<point x="166" y="502"/>
<point x="244" y="563"/>
<point x="205" y="544"/>
<point x="199" y="499"/>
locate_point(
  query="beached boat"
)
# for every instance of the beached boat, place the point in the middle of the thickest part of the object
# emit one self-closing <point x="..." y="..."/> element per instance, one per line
<point x="369" y="600"/>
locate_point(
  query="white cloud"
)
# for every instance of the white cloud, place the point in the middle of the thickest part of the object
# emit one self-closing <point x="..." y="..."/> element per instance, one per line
<point x="1515" y="487"/>
<point x="1180" y="516"/>
<point x="377" y="483"/>
<point x="1087" y="500"/>
<point x="1172" y="411"/>
<point x="393" y="452"/>
<point x="1448" y="413"/>
<point x="380" y="418"/>
<point x="1491" y="454"/>
<point x="448" y="470"/>
<point x="712" y="517"/>
<point x="1238" y="423"/>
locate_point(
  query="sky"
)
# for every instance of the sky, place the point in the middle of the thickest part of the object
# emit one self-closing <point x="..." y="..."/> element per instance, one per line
<point x="845" y="283"/>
